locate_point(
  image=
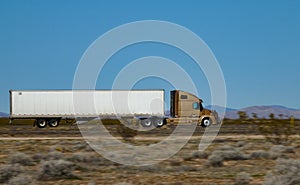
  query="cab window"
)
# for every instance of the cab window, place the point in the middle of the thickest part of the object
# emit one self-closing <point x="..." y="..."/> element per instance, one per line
<point x="184" y="97"/>
<point x="195" y="105"/>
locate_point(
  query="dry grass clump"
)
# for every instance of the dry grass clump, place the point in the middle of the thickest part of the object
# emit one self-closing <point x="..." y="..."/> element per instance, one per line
<point x="282" y="149"/>
<point x="226" y="152"/>
<point x="260" y="154"/>
<point x="287" y="172"/>
<point x="9" y="171"/>
<point x="37" y="157"/>
<point x="80" y="146"/>
<point x="199" y="155"/>
<point x="196" y="155"/>
<point x="21" y="179"/>
<point x="55" y="155"/>
<point x="81" y="157"/>
<point x="240" y="144"/>
<point x="21" y="158"/>
<point x="85" y="157"/>
<point x="56" y="169"/>
<point x="275" y="152"/>
<point x="215" y="160"/>
<point x="242" y="178"/>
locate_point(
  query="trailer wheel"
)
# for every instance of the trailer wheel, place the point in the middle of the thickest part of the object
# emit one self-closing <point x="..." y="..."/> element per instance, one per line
<point x="53" y="122"/>
<point x="146" y="123"/>
<point x="158" y="122"/>
<point x="206" y="122"/>
<point x="41" y="123"/>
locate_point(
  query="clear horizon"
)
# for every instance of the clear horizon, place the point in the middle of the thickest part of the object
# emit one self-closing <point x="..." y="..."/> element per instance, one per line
<point x="255" y="43"/>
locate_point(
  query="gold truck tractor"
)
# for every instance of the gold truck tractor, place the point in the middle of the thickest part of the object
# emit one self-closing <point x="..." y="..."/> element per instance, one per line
<point x="187" y="108"/>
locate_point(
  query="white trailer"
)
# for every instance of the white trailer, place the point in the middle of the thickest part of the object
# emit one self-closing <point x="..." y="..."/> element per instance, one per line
<point x="48" y="107"/>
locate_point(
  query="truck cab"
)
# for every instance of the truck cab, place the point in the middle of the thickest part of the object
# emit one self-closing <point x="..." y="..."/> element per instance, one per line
<point x="186" y="107"/>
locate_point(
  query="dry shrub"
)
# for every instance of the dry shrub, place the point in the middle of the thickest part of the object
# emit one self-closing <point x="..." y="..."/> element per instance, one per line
<point x="55" y="155"/>
<point x="260" y="154"/>
<point x="282" y="149"/>
<point x="240" y="144"/>
<point x="84" y="157"/>
<point x="196" y="155"/>
<point x="225" y="153"/>
<point x="80" y="146"/>
<point x="37" y="157"/>
<point x="175" y="162"/>
<point x="56" y="169"/>
<point x="231" y="153"/>
<point x="242" y="178"/>
<point x="200" y="154"/>
<point x="9" y="171"/>
<point x="21" y="180"/>
<point x="80" y="157"/>
<point x="215" y="160"/>
<point x="275" y="152"/>
<point x="21" y="158"/>
<point x="287" y="172"/>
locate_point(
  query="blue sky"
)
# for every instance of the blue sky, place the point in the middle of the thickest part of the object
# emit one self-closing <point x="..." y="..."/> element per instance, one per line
<point x="255" y="42"/>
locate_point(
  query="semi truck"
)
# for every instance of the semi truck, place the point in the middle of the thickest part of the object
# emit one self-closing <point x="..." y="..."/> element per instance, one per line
<point x="49" y="107"/>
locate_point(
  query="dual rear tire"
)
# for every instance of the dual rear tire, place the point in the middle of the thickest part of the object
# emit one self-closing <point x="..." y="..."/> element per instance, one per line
<point x="157" y="122"/>
<point x="42" y="123"/>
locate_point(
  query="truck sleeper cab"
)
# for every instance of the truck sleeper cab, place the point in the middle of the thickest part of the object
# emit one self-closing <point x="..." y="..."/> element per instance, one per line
<point x="186" y="107"/>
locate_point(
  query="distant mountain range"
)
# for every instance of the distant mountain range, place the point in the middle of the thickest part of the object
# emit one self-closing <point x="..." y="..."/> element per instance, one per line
<point x="3" y="115"/>
<point x="261" y="111"/>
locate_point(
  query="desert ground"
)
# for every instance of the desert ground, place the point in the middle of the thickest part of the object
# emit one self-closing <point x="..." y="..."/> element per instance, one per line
<point x="244" y="152"/>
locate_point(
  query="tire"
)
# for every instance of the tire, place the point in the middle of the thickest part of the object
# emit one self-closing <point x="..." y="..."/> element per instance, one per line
<point x="53" y="123"/>
<point x="206" y="122"/>
<point x="158" y="122"/>
<point x="146" y="122"/>
<point x="41" y="123"/>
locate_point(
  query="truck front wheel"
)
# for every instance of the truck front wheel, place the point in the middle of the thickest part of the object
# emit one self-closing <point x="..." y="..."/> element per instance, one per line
<point x="206" y="122"/>
<point x="41" y="123"/>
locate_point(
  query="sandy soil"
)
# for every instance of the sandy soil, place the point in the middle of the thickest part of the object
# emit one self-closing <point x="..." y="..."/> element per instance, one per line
<point x="89" y="167"/>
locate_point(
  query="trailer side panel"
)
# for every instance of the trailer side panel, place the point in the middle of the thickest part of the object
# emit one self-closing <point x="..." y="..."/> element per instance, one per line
<point x="86" y="103"/>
